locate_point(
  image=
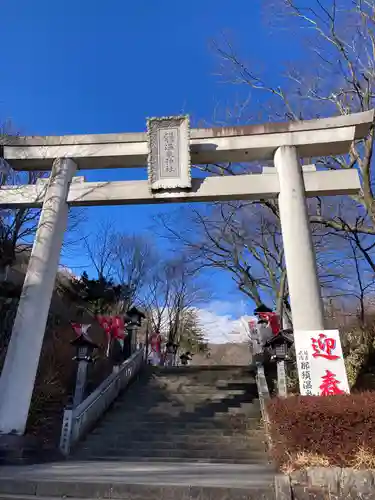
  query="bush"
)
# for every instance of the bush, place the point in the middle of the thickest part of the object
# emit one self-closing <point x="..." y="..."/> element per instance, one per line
<point x="355" y="362"/>
<point x="335" y="427"/>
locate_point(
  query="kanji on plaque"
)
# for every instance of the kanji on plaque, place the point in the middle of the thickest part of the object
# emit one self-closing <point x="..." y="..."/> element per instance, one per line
<point x="330" y="385"/>
<point x="324" y="347"/>
<point x="320" y="363"/>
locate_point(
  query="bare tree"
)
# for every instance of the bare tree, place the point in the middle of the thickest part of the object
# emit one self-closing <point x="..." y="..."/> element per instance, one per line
<point x="122" y="260"/>
<point x="99" y="248"/>
<point x="244" y="239"/>
<point x="339" y="79"/>
<point x="132" y="258"/>
<point x="172" y="293"/>
<point x="18" y="226"/>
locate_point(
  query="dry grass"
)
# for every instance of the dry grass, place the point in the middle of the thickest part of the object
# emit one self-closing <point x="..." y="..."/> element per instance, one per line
<point x="304" y="460"/>
<point x="363" y="459"/>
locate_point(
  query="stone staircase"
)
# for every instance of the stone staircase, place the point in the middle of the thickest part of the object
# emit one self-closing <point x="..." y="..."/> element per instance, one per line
<point x="183" y="414"/>
<point x="182" y="433"/>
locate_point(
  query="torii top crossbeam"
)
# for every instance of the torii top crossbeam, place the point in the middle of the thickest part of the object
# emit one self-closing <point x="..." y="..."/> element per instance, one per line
<point x="313" y="138"/>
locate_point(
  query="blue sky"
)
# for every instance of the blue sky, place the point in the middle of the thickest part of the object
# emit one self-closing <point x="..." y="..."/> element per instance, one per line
<point x="83" y="66"/>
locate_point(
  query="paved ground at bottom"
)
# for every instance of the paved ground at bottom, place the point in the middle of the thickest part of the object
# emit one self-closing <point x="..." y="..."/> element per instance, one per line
<point x="192" y="474"/>
<point x="137" y="481"/>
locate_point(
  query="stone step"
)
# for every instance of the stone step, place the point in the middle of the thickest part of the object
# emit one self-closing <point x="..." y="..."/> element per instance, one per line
<point x="110" y="455"/>
<point x="194" y="418"/>
<point x="163" y="388"/>
<point x="190" y="411"/>
<point x="150" y="492"/>
<point x="248" y="447"/>
<point x="144" y="434"/>
<point x="195" y="430"/>
<point x="162" y="428"/>
<point x="201" y="370"/>
<point x="179" y="439"/>
<point x="181" y="402"/>
<point x="174" y="433"/>
<point x="182" y="399"/>
<point x="177" y="399"/>
<point x="198" y="382"/>
<point x="209" y="378"/>
<point x="186" y="454"/>
<point x="167" y="383"/>
<point x="174" y="460"/>
<point x="185" y="418"/>
<point x="142" y="480"/>
<point x="194" y="409"/>
<point x="201" y="394"/>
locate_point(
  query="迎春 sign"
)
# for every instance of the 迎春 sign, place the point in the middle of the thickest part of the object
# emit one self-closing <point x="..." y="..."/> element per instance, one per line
<point x="169" y="152"/>
<point x="320" y="363"/>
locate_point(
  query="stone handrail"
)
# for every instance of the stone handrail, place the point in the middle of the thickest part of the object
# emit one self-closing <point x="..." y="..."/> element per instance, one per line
<point x="264" y="397"/>
<point x="78" y="421"/>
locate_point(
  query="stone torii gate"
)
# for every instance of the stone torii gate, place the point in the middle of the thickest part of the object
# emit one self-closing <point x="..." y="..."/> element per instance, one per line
<point x="168" y="149"/>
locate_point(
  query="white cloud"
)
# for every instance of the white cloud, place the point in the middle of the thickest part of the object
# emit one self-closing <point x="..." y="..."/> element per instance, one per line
<point x="67" y="271"/>
<point x="225" y="322"/>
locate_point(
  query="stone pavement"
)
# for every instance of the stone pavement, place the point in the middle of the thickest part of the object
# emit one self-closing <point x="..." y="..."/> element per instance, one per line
<point x="152" y="480"/>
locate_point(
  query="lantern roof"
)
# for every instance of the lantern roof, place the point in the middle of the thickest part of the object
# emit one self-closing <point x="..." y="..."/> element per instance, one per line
<point x="262" y="309"/>
<point x="84" y="340"/>
<point x="134" y="312"/>
<point x="283" y="337"/>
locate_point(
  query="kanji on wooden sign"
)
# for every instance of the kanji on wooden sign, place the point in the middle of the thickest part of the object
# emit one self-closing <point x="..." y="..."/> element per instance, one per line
<point x="320" y="362"/>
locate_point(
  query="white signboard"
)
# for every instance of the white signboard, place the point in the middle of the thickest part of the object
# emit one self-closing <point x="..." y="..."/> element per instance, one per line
<point x="320" y="363"/>
<point x="169" y="152"/>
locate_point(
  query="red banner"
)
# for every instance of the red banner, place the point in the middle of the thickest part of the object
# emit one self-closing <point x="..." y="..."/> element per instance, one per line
<point x="113" y="326"/>
<point x="118" y="327"/>
<point x="105" y="323"/>
<point x="273" y="320"/>
<point x="155" y="342"/>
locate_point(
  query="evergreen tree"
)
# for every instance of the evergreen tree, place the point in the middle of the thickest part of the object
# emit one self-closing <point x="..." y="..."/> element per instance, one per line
<point x="100" y="295"/>
<point x="191" y="333"/>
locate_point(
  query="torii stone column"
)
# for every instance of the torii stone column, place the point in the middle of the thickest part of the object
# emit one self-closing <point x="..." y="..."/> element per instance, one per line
<point x="21" y="363"/>
<point x="303" y="281"/>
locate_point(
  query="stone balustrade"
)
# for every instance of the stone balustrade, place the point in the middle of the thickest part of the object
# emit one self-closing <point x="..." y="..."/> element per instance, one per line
<point x="78" y="421"/>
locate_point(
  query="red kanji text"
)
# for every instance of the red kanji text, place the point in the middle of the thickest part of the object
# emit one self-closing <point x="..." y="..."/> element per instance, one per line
<point x="323" y="347"/>
<point x="330" y="385"/>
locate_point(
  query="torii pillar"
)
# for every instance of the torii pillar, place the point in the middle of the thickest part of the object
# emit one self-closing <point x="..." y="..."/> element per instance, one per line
<point x="22" y="359"/>
<point x="303" y="282"/>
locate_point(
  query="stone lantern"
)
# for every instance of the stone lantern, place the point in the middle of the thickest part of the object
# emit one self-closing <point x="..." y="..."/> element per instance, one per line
<point x="279" y="345"/>
<point x="133" y="319"/>
<point x="85" y="348"/>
